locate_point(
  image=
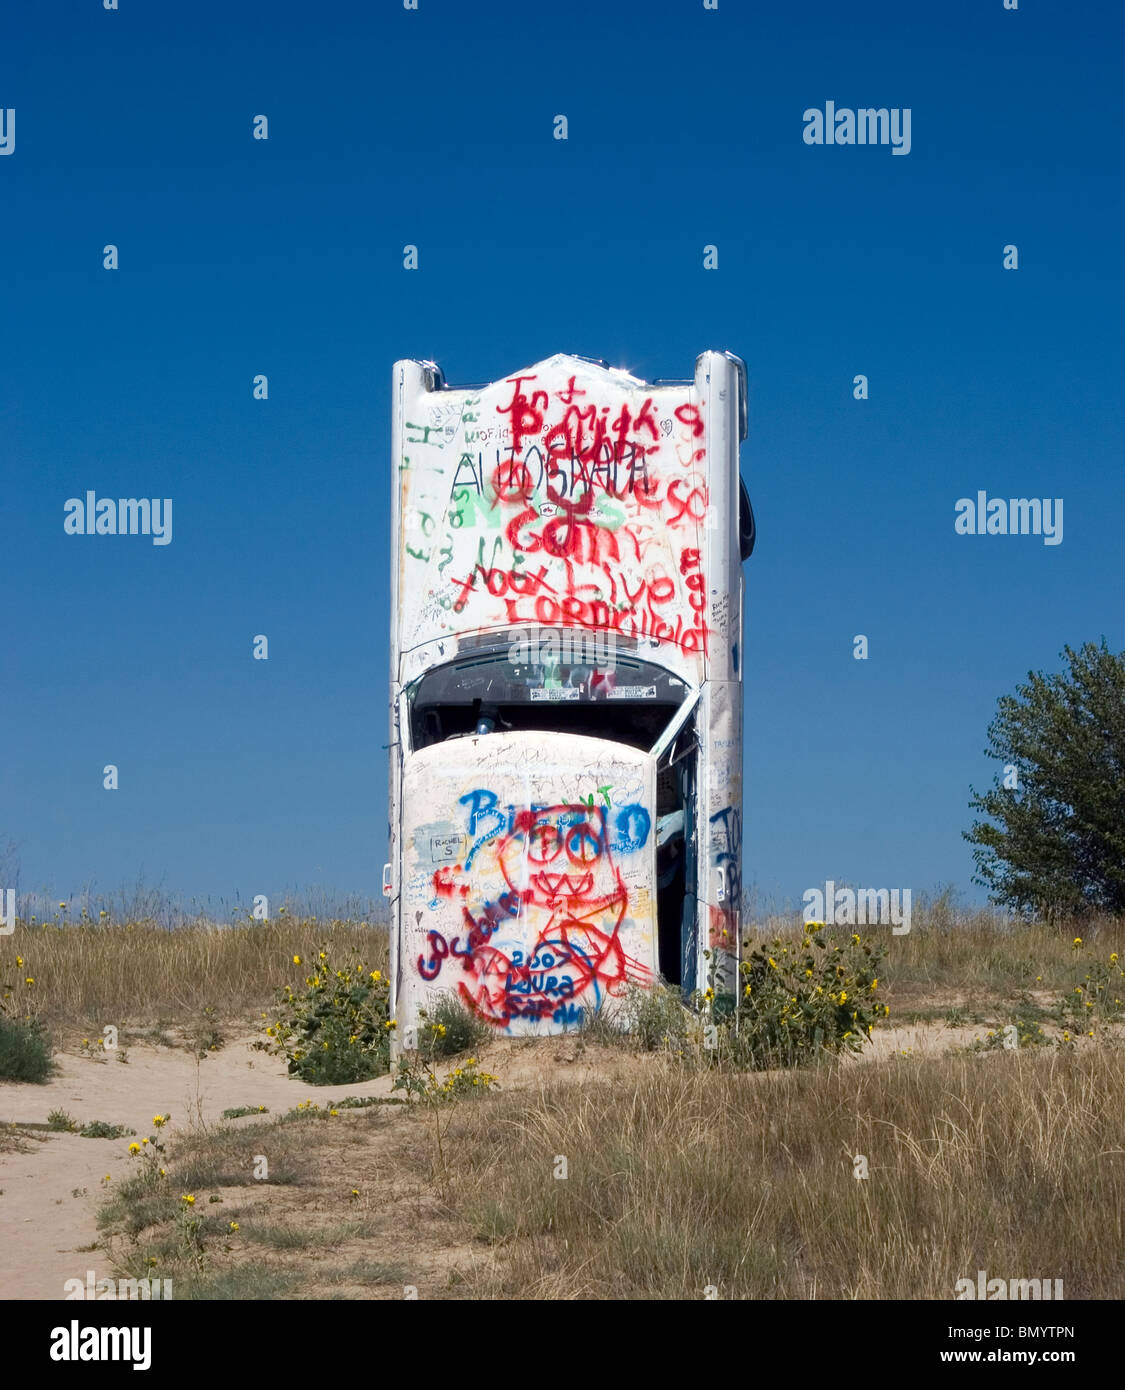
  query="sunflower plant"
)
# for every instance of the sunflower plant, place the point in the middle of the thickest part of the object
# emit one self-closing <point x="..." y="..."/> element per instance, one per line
<point x="337" y="1027"/>
<point x="798" y="999"/>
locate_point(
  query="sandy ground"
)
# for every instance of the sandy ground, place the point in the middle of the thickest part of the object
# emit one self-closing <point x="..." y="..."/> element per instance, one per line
<point x="49" y="1192"/>
<point x="50" y="1186"/>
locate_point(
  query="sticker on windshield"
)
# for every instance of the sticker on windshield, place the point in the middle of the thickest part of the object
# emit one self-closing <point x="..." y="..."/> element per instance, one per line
<point x="633" y="692"/>
<point x="567" y="692"/>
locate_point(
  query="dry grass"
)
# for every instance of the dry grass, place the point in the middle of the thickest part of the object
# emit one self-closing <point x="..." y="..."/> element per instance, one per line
<point x="139" y="973"/>
<point x="974" y="959"/>
<point x="1013" y="1164"/>
<point x="1010" y="1162"/>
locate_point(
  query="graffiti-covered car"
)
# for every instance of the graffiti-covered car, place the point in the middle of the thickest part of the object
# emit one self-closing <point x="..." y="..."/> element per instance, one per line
<point x="566" y="688"/>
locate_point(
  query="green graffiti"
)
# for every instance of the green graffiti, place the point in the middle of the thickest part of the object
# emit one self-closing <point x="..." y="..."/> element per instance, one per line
<point x="436" y="430"/>
<point x="613" y="513"/>
<point x="603" y="792"/>
<point x="473" y="510"/>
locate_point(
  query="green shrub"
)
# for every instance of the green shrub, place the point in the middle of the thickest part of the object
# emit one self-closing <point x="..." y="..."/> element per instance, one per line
<point x="798" y="1000"/>
<point x="102" y="1129"/>
<point x="449" y="1028"/>
<point x="419" y="1080"/>
<point x="338" y="1029"/>
<point x="25" y="1046"/>
<point x="25" y="1050"/>
<point x="655" y="1018"/>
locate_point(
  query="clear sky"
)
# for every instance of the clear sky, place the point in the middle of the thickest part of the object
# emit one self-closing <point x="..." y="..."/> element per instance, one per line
<point x="435" y="128"/>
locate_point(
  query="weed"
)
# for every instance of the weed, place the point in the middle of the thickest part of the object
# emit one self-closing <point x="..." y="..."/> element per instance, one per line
<point x="101" y="1129"/>
<point x="449" y="1028"/>
<point x="338" y="1029"/>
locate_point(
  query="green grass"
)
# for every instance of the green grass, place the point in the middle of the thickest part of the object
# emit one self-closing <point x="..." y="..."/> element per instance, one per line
<point x="244" y="1283"/>
<point x="292" y="1237"/>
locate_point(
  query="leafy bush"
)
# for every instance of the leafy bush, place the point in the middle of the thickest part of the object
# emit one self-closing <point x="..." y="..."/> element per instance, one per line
<point x="1093" y="1006"/>
<point x="420" y="1081"/>
<point x="799" y="1000"/>
<point x="338" y="1029"/>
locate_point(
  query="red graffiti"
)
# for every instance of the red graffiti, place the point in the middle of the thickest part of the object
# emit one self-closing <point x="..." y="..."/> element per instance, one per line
<point x="576" y="491"/>
<point x="721" y="928"/>
<point x="558" y="865"/>
<point x="525" y="413"/>
<point x="444" y="886"/>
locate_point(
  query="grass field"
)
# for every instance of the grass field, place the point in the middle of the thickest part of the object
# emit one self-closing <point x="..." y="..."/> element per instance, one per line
<point x="599" y="1170"/>
<point x="140" y="974"/>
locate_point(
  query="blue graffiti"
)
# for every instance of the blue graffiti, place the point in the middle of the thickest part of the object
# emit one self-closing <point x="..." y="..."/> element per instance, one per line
<point x="569" y="1015"/>
<point x="632" y="825"/>
<point x="483" y="806"/>
<point x="726" y="845"/>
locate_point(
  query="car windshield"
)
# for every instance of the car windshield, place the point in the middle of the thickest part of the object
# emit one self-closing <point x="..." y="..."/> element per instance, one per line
<point x="560" y="682"/>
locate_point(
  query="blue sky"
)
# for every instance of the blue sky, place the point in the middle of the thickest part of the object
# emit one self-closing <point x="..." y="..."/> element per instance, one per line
<point x="434" y="128"/>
